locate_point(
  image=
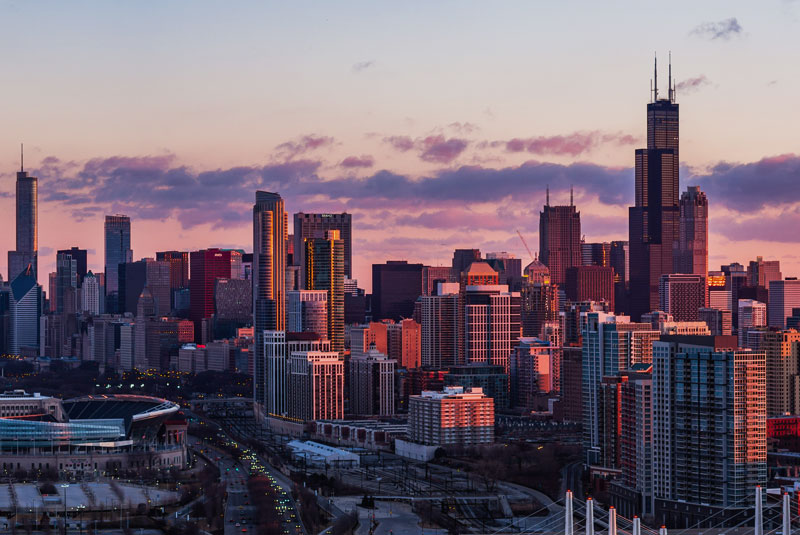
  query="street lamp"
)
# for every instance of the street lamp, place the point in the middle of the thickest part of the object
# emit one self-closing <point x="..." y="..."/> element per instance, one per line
<point x="65" y="486"/>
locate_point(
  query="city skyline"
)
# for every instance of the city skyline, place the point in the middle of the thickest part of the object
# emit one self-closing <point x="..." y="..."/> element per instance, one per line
<point x="404" y="164"/>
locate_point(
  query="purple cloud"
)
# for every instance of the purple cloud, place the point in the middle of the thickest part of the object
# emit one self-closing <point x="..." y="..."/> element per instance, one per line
<point x="434" y="148"/>
<point x="400" y="143"/>
<point x="750" y="187"/>
<point x="437" y="149"/>
<point x="157" y="188"/>
<point x="690" y="85"/>
<point x="358" y="161"/>
<point x="302" y="145"/>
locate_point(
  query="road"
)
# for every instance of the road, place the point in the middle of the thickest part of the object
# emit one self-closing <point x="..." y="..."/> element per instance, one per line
<point x="240" y="514"/>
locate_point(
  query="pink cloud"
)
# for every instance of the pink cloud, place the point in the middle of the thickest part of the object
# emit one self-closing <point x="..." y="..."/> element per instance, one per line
<point x="358" y="161"/>
<point x="573" y="144"/>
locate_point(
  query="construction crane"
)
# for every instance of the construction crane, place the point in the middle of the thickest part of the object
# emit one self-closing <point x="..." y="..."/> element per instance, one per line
<point x="525" y="244"/>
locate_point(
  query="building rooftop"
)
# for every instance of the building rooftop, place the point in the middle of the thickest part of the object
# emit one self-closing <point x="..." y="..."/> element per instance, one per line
<point x="454" y="392"/>
<point x="21" y="394"/>
<point x="480" y="268"/>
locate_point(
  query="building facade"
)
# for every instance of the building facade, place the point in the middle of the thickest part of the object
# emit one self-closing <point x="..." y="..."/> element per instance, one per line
<point x="324" y="270"/>
<point x="316" y="384"/>
<point x="693" y="243"/>
<point x="454" y="416"/>
<point x="268" y="270"/>
<point x="560" y="240"/>
<point x="117" y="251"/>
<point x="310" y="226"/>
<point x="709" y="428"/>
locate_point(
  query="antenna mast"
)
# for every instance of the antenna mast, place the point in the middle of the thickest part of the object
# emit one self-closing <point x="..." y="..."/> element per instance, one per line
<point x="669" y="80"/>
<point x="21" y="158"/>
<point x="655" y="78"/>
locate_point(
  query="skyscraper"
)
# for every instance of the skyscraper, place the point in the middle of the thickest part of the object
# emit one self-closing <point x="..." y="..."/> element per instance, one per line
<point x="278" y="349"/>
<point x="324" y="262"/>
<point x="709" y="444"/>
<point x="761" y="272"/>
<point x="315" y="225"/>
<point x="316" y="385"/>
<point x="752" y="315"/>
<point x="372" y="384"/>
<point x="508" y="267"/>
<point x="25" y="303"/>
<point x="682" y="295"/>
<point x="590" y="283"/>
<point x="462" y="258"/>
<point x="90" y="295"/>
<point x="269" y="271"/>
<point x="79" y="255"/>
<point x="783" y="296"/>
<point x="611" y="344"/>
<point x="207" y="266"/>
<point x="307" y="312"/>
<point x="396" y="285"/>
<point x="178" y="267"/>
<point x="439" y="327"/>
<point x="596" y="254"/>
<point x="653" y="223"/>
<point x="782" y="349"/>
<point x="693" y="242"/>
<point x="117" y="251"/>
<point x="27" y="251"/>
<point x="66" y="281"/>
<point x="491" y="324"/>
<point x="560" y="239"/>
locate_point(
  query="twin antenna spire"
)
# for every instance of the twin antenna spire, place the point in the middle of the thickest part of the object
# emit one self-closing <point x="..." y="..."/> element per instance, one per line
<point x="670" y="82"/>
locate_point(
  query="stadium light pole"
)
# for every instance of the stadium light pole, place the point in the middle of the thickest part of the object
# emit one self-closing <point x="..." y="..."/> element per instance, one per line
<point x="65" y="486"/>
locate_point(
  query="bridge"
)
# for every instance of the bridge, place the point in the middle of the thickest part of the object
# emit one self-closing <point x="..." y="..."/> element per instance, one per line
<point x="584" y="516"/>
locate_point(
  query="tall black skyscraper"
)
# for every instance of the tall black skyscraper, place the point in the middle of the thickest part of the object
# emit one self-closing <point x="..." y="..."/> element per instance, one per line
<point x="118" y="251"/>
<point x="653" y="223"/>
<point x="27" y="251"/>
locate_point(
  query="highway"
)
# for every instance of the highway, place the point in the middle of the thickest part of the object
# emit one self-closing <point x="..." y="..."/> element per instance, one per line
<point x="241" y="516"/>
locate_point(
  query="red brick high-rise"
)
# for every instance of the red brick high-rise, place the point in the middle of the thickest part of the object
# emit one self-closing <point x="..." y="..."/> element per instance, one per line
<point x="590" y="283"/>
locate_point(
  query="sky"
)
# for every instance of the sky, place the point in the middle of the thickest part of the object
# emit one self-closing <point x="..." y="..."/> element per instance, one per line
<point x="436" y="124"/>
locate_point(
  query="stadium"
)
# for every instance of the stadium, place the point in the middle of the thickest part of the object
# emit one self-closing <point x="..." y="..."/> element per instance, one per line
<point x="90" y="436"/>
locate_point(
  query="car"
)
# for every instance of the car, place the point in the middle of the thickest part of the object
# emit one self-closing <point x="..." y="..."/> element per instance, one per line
<point x="244" y="530"/>
<point x="238" y="525"/>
